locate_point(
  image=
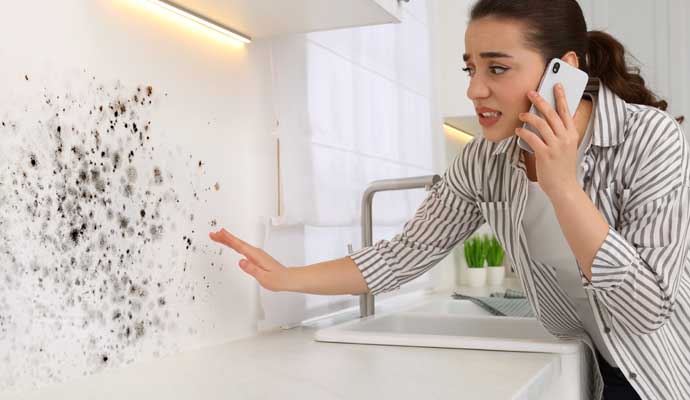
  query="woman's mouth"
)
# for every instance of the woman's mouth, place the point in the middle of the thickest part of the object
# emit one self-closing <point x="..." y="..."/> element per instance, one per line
<point x="489" y="118"/>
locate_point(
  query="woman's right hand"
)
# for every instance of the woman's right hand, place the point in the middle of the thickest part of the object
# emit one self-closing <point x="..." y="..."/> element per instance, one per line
<point x="270" y="274"/>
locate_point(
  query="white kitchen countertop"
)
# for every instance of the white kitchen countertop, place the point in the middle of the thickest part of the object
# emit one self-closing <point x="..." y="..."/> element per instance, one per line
<point x="291" y="364"/>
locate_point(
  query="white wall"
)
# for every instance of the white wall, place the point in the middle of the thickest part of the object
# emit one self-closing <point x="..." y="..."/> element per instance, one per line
<point x="452" y="17"/>
<point x="210" y="102"/>
<point x="656" y="33"/>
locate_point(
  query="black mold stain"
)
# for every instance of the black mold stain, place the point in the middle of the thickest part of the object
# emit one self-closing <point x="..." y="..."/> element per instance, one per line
<point x="74" y="196"/>
<point x="157" y="176"/>
<point x="86" y="199"/>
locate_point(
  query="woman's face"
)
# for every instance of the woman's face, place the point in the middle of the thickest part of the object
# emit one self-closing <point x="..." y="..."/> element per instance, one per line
<point x="502" y="70"/>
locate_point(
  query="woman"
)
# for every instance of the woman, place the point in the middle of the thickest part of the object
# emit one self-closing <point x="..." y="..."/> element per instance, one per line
<point x="595" y="222"/>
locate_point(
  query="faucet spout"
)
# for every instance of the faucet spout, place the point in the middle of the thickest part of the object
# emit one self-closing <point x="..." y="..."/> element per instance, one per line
<point x="366" y="301"/>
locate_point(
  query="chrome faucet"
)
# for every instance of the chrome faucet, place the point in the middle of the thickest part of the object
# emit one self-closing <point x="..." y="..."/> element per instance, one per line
<point x="366" y="301"/>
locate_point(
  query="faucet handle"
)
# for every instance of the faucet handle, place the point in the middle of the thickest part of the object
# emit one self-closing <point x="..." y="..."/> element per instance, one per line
<point x="434" y="180"/>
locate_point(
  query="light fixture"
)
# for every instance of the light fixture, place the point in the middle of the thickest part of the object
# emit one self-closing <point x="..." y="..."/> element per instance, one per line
<point x="462" y="135"/>
<point x="200" y="20"/>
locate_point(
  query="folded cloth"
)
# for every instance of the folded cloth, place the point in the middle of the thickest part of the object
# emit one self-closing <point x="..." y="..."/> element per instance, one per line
<point x="512" y="303"/>
<point x="509" y="294"/>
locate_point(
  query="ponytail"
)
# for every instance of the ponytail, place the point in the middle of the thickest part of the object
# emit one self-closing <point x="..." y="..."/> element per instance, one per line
<point x="606" y="61"/>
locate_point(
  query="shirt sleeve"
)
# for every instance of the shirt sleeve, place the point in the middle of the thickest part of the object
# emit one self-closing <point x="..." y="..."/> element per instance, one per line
<point x="449" y="214"/>
<point x="637" y="270"/>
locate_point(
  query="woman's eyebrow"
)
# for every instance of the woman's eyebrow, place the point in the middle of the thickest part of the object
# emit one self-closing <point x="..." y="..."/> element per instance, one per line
<point x="488" y="54"/>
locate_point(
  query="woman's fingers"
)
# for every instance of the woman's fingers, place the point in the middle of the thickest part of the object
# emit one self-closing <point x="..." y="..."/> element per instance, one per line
<point x="562" y="105"/>
<point x="532" y="140"/>
<point x="267" y="271"/>
<point x="254" y="254"/>
<point x="218" y="238"/>
<point x="271" y="280"/>
<point x="235" y="243"/>
<point x="252" y="269"/>
<point x="540" y="124"/>
<point x="551" y="117"/>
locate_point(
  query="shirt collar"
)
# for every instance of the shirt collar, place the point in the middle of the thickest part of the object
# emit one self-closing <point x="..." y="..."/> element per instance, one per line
<point x="609" y="124"/>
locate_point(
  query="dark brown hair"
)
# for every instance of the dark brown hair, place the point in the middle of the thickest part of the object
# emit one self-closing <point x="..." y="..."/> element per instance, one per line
<point x="555" y="27"/>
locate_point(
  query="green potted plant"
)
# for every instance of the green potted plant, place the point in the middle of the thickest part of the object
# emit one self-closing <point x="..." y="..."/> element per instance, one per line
<point x="494" y="259"/>
<point x="475" y="256"/>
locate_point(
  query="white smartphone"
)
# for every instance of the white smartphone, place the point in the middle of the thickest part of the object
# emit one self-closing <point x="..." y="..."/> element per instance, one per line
<point x="574" y="81"/>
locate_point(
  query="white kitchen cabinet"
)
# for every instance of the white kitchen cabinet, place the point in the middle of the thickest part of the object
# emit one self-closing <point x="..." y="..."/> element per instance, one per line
<point x="266" y="18"/>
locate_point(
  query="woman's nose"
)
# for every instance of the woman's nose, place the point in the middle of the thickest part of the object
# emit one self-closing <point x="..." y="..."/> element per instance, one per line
<point x="477" y="89"/>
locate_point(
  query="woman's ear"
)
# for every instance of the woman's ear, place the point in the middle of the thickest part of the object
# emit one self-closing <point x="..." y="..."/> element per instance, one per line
<point x="571" y="58"/>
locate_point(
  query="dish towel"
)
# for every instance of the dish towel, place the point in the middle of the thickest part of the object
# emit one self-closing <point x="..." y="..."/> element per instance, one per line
<point x="511" y="303"/>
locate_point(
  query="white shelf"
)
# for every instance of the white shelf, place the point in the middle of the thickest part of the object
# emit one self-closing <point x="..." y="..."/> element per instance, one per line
<point x="266" y="18"/>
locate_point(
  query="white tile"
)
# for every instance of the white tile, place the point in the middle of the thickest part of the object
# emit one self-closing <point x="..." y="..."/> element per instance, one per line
<point x="415" y="56"/>
<point x="376" y="115"/>
<point x="415" y="133"/>
<point x="378" y="49"/>
<point x="337" y="186"/>
<point x="330" y="98"/>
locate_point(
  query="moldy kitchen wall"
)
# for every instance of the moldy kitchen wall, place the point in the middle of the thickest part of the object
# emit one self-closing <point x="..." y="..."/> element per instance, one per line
<point x="125" y="138"/>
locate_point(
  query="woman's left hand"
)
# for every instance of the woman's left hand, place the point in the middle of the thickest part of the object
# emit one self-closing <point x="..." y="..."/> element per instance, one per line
<point x="556" y="155"/>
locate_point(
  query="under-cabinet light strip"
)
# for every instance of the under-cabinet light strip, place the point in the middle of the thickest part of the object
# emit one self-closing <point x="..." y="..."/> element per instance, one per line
<point x="203" y="21"/>
<point x="457" y="132"/>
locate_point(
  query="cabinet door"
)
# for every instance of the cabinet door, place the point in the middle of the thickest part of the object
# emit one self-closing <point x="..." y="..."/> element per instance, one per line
<point x="267" y="18"/>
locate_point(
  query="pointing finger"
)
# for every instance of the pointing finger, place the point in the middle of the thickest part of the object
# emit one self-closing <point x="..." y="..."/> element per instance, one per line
<point x="226" y="238"/>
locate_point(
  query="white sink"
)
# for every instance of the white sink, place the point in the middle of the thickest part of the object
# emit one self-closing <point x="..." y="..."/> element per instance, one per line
<point x="450" y="306"/>
<point x="461" y="324"/>
<point x="466" y="326"/>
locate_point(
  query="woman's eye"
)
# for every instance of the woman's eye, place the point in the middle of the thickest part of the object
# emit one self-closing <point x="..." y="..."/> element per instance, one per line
<point x="496" y="70"/>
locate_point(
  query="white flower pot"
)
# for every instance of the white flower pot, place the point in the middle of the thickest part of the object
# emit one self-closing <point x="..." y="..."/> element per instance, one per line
<point x="495" y="275"/>
<point x="476" y="277"/>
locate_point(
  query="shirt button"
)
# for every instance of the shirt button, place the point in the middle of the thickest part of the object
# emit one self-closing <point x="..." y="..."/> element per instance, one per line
<point x="607" y="329"/>
<point x="633" y="375"/>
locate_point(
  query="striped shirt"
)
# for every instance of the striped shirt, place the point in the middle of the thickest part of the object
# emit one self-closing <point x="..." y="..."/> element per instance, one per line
<point x="636" y="173"/>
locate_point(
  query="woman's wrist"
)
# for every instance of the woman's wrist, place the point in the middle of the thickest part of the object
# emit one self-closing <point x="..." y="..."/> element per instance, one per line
<point x="292" y="279"/>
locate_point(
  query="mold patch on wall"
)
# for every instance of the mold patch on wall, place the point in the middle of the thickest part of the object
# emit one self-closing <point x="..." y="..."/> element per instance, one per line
<point x="96" y="232"/>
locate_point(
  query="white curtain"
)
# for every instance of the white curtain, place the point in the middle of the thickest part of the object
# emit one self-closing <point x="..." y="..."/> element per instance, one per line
<point x="353" y="106"/>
